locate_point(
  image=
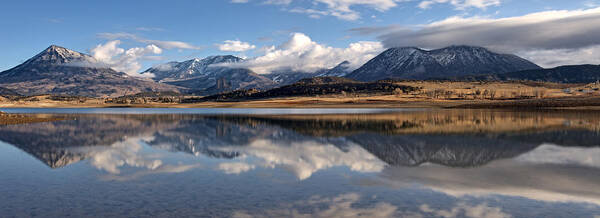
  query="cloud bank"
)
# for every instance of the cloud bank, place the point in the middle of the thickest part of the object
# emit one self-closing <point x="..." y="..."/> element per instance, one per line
<point x="301" y="53"/>
<point x="550" y="36"/>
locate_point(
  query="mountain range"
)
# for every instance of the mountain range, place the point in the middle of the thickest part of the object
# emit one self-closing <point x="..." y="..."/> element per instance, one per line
<point x="205" y="77"/>
<point x="61" y="71"/>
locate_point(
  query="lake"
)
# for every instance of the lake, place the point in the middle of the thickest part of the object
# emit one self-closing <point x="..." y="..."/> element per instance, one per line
<point x="301" y="163"/>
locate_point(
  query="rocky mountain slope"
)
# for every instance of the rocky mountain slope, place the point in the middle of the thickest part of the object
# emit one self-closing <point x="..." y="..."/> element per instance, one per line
<point x="61" y="71"/>
<point x="454" y="61"/>
<point x="340" y="70"/>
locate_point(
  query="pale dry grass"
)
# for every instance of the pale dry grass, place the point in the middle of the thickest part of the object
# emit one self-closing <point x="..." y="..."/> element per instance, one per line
<point x="432" y="95"/>
<point x="487" y="90"/>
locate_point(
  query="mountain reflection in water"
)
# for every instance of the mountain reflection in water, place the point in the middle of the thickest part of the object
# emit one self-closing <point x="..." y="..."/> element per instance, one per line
<point x="544" y="155"/>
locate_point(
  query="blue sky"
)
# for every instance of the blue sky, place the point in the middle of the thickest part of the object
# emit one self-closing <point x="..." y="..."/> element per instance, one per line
<point x="201" y="27"/>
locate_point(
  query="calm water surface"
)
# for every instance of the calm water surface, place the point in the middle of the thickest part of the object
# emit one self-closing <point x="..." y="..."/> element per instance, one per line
<point x="301" y="163"/>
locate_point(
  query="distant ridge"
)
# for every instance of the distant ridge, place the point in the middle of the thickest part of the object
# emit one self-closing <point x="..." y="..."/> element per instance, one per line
<point x="563" y="74"/>
<point x="325" y="80"/>
<point x="312" y="87"/>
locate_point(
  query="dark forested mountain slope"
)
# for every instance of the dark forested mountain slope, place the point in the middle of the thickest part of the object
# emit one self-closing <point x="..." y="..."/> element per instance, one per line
<point x="563" y="74"/>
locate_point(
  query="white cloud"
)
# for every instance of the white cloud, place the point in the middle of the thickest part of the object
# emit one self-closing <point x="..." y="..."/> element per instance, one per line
<point x="106" y="52"/>
<point x="159" y="43"/>
<point x="123" y="60"/>
<point x="341" y="9"/>
<point x="128" y="153"/>
<point x="311" y="12"/>
<point x="171" y="44"/>
<point x="235" y="45"/>
<point x="461" y="4"/>
<point x="125" y="153"/>
<point x="346" y="9"/>
<point x="544" y="33"/>
<point x="302" y="158"/>
<point x="277" y="2"/>
<point x="150" y="29"/>
<point x="300" y="53"/>
<point x="592" y="4"/>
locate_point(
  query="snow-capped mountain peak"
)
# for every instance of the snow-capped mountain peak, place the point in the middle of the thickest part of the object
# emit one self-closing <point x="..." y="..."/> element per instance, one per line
<point x="453" y="61"/>
<point x="57" y="55"/>
<point x="192" y="68"/>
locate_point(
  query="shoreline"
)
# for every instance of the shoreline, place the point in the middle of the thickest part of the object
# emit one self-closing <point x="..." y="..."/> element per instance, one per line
<point x="580" y="102"/>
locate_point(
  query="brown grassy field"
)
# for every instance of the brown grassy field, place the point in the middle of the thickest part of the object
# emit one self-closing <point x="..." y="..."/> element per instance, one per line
<point x="432" y="94"/>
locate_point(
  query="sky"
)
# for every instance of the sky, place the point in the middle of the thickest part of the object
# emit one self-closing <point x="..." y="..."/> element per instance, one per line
<point x="304" y="35"/>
